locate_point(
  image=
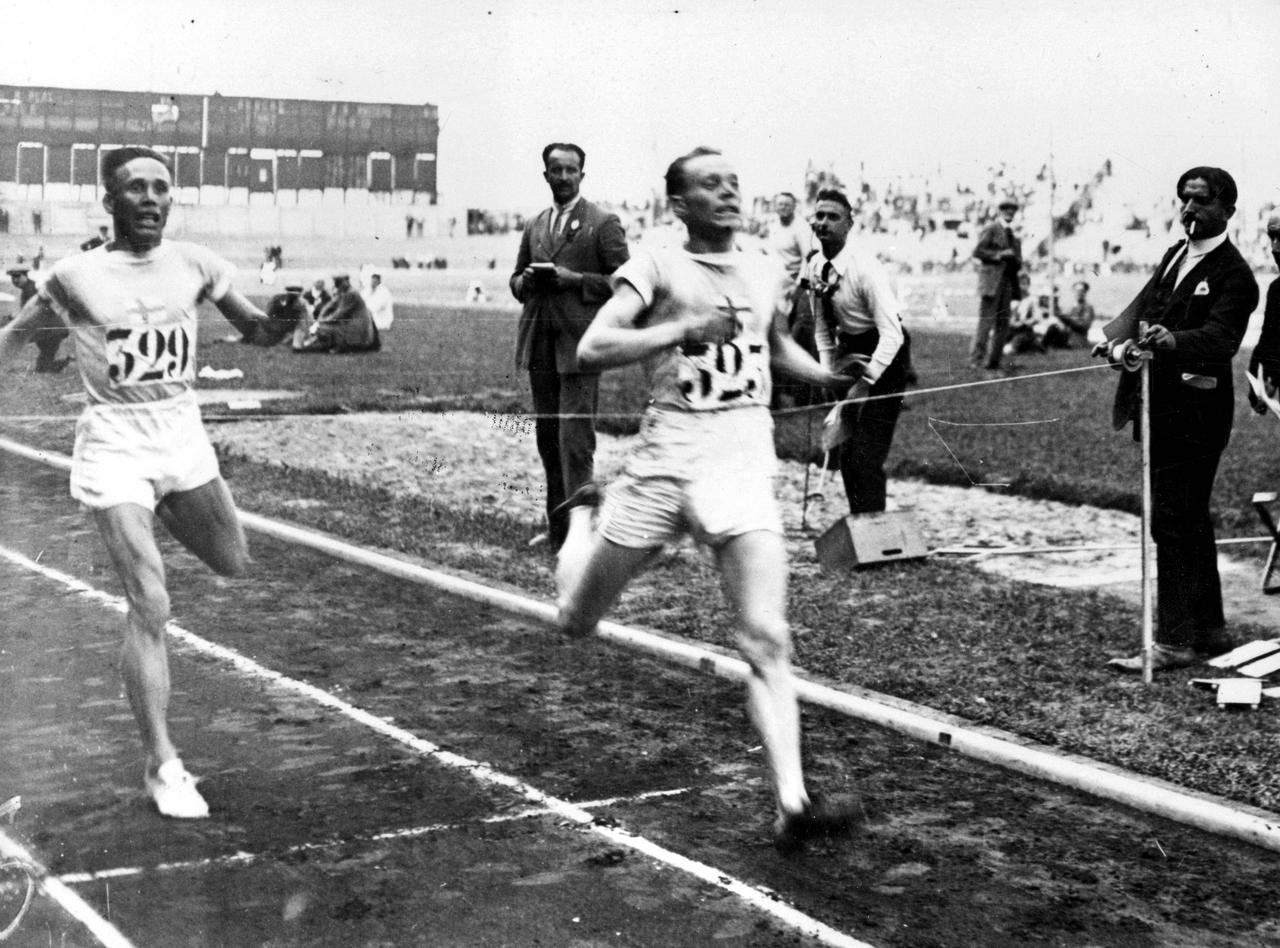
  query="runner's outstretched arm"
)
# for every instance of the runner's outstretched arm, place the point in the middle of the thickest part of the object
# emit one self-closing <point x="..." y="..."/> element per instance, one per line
<point x="37" y="314"/>
<point x="247" y="318"/>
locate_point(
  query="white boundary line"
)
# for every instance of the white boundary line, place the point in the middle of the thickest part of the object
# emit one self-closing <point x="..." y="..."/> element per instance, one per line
<point x="761" y="899"/>
<point x="242" y="858"/>
<point x="69" y="901"/>
<point x="1150" y="795"/>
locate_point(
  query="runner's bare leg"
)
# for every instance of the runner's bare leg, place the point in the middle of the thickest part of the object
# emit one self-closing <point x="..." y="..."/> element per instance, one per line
<point x="204" y="520"/>
<point x="589" y="589"/>
<point x="128" y="531"/>
<point x="753" y="570"/>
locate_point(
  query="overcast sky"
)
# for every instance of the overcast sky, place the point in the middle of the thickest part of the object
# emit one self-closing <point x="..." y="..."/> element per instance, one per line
<point x="893" y="85"/>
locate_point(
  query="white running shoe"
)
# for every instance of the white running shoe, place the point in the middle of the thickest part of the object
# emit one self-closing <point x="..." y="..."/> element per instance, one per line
<point x="174" y="792"/>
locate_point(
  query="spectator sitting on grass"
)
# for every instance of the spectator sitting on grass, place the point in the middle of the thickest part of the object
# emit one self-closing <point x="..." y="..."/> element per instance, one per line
<point x="1077" y="320"/>
<point x="317" y="298"/>
<point x="1026" y="322"/>
<point x="345" y="324"/>
<point x="286" y="317"/>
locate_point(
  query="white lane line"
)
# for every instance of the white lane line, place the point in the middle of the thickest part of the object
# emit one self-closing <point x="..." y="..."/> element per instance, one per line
<point x="242" y="858"/>
<point x="761" y="899"/>
<point x="106" y="933"/>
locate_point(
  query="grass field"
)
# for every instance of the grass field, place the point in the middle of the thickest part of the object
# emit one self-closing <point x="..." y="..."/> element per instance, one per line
<point x="1038" y="435"/>
<point x="1043" y="435"/>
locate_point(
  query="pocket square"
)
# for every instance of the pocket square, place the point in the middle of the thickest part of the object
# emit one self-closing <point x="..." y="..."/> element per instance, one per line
<point x="1202" y="288"/>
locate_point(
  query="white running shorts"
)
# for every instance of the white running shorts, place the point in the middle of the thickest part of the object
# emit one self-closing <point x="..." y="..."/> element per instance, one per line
<point x="708" y="474"/>
<point x="138" y="453"/>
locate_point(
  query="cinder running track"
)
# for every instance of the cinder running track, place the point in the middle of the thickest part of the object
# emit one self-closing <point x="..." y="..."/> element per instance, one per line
<point x="391" y="766"/>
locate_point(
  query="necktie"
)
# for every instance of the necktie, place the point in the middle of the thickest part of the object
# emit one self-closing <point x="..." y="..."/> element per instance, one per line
<point x="1164" y="289"/>
<point x="556" y="224"/>
<point x="828" y="307"/>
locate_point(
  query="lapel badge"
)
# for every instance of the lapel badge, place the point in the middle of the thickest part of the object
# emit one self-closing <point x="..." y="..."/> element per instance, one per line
<point x="1202" y="288"/>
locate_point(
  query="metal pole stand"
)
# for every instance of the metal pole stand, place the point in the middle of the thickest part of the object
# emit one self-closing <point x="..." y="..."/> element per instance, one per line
<point x="1139" y="360"/>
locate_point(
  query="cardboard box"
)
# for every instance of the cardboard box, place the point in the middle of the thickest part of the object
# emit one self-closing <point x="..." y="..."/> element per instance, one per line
<point x="864" y="539"/>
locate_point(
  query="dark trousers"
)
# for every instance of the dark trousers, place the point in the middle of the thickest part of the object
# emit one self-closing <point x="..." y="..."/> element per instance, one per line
<point x="863" y="455"/>
<point x="1188" y="588"/>
<point x="565" y="406"/>
<point x="47" y="342"/>
<point x="788" y="393"/>
<point x="993" y="329"/>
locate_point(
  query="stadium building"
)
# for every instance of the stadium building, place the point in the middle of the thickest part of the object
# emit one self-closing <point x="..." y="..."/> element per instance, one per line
<point x="293" y="156"/>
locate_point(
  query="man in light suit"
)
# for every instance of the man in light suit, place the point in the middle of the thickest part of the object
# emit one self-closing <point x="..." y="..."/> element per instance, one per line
<point x="562" y="277"/>
<point x="1000" y="252"/>
<point x="1196" y="307"/>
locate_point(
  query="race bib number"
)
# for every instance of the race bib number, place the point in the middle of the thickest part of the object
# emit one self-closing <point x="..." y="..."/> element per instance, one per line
<point x="145" y="355"/>
<point x="713" y="376"/>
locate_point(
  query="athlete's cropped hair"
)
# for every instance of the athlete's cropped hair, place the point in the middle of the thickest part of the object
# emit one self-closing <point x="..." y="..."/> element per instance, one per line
<point x="113" y="160"/>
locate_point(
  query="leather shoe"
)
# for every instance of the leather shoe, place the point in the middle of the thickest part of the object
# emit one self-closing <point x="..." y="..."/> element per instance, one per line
<point x="822" y="817"/>
<point x="1163" y="658"/>
<point x="587" y="495"/>
<point x="1215" y="643"/>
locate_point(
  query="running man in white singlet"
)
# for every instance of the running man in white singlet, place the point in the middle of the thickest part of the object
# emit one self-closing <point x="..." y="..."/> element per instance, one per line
<point x="141" y="451"/>
<point x="709" y="322"/>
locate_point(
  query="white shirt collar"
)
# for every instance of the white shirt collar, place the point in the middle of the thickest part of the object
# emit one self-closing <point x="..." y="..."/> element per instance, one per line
<point x="839" y="261"/>
<point x="556" y="208"/>
<point x="1198" y="248"/>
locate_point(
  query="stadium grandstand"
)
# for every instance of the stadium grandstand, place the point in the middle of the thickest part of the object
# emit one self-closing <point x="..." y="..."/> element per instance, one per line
<point x="253" y="164"/>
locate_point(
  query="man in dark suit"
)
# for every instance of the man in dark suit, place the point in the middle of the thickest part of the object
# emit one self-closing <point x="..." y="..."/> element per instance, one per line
<point x="562" y="277"/>
<point x="48" y="338"/>
<point x="999" y="250"/>
<point x="1265" y="360"/>
<point x="1196" y="307"/>
<point x="102" y="237"/>
<point x="345" y="324"/>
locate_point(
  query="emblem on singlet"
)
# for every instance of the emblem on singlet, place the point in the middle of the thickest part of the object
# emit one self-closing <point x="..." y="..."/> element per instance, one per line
<point x="713" y="376"/>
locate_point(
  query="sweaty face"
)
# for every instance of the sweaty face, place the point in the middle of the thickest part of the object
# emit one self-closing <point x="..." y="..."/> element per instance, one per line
<point x="140" y="201"/>
<point x="711" y="198"/>
<point x="831" y="223"/>
<point x="1208" y="214"/>
<point x="564" y="175"/>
